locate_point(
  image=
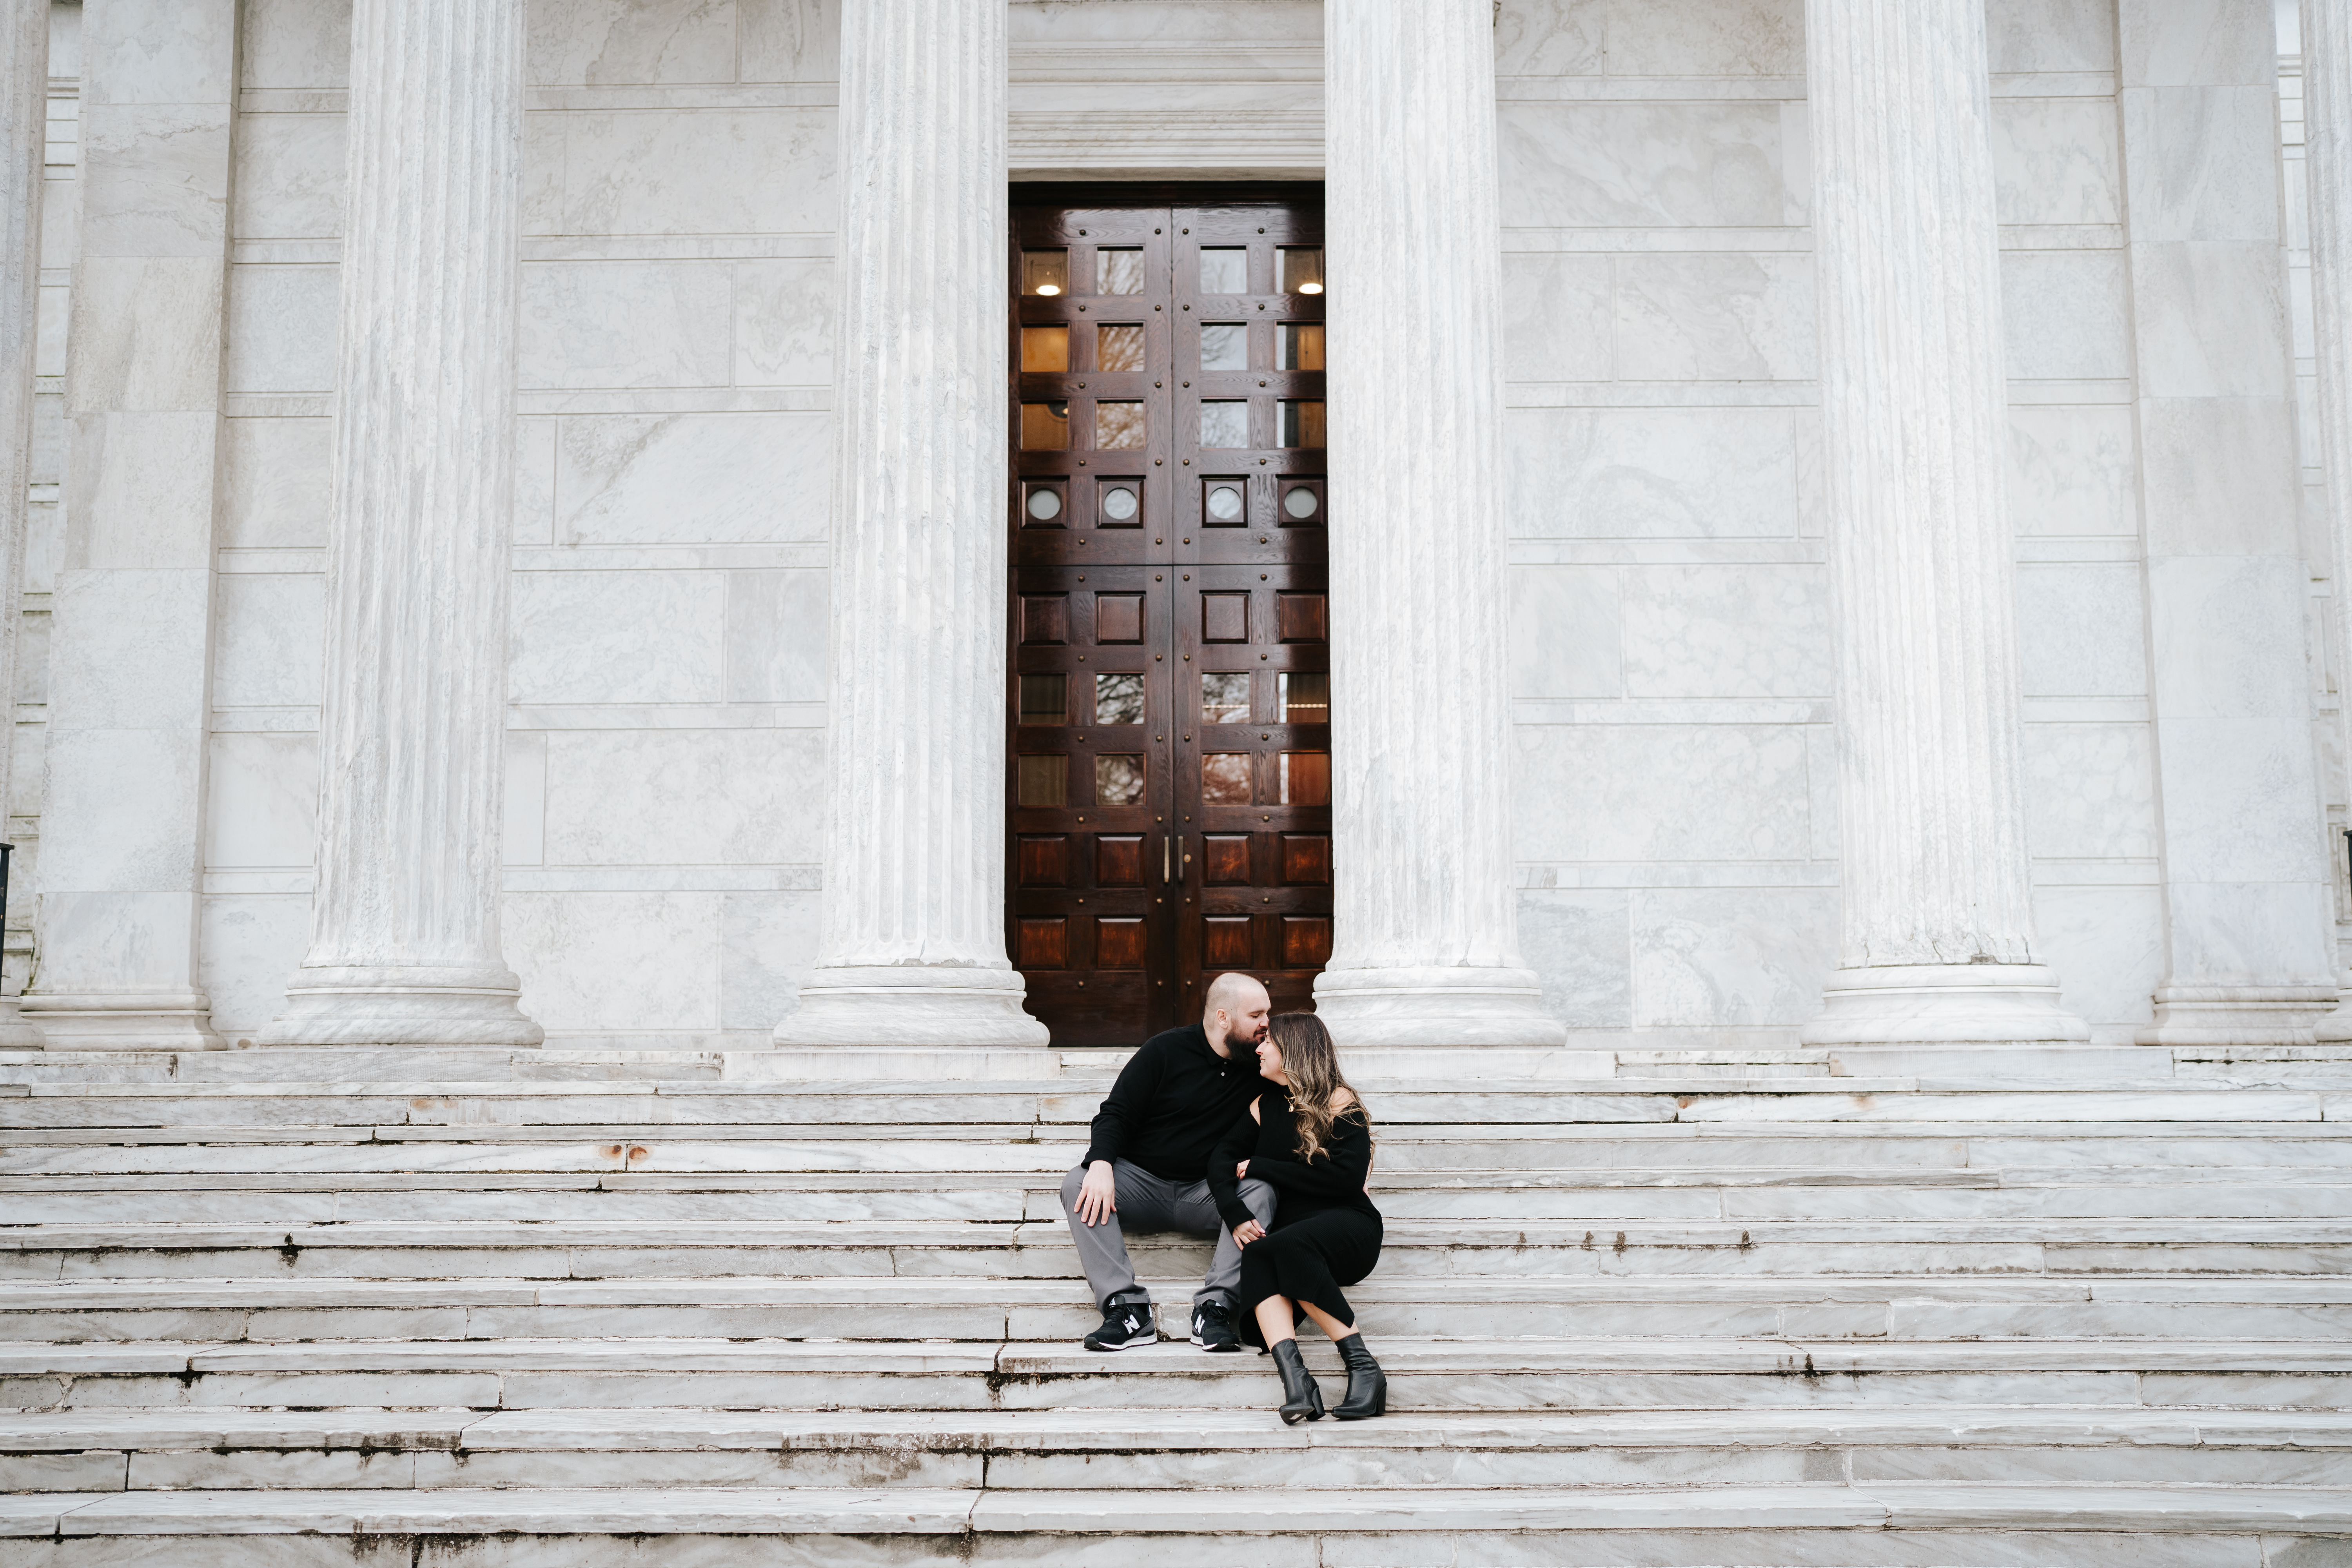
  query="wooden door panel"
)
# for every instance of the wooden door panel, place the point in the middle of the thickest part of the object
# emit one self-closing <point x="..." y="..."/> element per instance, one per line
<point x="1164" y="511"/>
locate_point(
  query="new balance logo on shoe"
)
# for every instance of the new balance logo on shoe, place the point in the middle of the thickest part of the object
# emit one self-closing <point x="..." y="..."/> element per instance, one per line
<point x="1124" y="1326"/>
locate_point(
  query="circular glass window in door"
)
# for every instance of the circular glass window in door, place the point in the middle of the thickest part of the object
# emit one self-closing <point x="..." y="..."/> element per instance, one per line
<point x="1302" y="504"/>
<point x="1043" y="506"/>
<point x="1223" y="502"/>
<point x="1120" y="501"/>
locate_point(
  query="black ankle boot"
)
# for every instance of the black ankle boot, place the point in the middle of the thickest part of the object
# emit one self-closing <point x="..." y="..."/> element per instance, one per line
<point x="1301" y="1399"/>
<point x="1368" y="1385"/>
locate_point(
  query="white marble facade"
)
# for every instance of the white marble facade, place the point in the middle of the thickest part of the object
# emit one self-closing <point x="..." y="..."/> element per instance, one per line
<point x="1672" y="762"/>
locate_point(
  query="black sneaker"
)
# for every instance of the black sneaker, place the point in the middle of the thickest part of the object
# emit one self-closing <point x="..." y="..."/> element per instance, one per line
<point x="1125" y="1325"/>
<point x="1213" y="1326"/>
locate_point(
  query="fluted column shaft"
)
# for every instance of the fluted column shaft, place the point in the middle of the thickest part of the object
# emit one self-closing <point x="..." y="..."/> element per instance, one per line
<point x="1938" y="924"/>
<point x="2327" y="171"/>
<point x="1426" y="947"/>
<point x="913" y="950"/>
<point x="23" y="108"/>
<point x="404" y="930"/>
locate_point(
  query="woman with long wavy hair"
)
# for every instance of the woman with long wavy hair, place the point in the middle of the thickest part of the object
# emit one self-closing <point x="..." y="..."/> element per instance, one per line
<point x="1309" y="1138"/>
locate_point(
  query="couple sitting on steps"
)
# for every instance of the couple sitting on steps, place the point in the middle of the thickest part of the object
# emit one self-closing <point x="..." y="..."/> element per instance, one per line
<point x="1243" y="1120"/>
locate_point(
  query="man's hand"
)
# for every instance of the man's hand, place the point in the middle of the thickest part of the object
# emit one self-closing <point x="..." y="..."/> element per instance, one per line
<point x="1249" y="1230"/>
<point x="1098" y="1198"/>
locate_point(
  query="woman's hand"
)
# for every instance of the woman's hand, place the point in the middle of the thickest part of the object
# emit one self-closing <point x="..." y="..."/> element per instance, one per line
<point x="1249" y="1230"/>
<point x="1241" y="1170"/>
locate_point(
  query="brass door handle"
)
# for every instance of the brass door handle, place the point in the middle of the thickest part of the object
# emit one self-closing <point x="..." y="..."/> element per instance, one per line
<point x="1167" y="844"/>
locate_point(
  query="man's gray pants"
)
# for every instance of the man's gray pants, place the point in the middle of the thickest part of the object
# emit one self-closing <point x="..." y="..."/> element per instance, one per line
<point x="1147" y="1202"/>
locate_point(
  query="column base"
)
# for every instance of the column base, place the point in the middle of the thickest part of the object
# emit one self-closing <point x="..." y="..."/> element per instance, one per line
<point x="1944" y="1005"/>
<point x="911" y="1005"/>
<point x="15" y="1034"/>
<point x="122" y="1020"/>
<point x="1442" y="1005"/>
<point x="2246" y="1015"/>
<point x="402" y="1005"/>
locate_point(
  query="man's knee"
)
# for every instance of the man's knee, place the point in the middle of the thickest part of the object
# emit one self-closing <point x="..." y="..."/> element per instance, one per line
<point x="1259" y="1198"/>
<point x="1070" y="1185"/>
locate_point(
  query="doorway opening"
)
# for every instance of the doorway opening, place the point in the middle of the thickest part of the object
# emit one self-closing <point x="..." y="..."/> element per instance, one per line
<point x="1167" y="703"/>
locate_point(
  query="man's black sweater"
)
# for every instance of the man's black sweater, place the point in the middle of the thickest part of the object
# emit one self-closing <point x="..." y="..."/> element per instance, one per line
<point x="1174" y="1101"/>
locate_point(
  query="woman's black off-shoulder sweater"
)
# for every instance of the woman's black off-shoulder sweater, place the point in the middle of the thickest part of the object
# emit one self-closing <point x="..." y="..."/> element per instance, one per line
<point x="1270" y="1143"/>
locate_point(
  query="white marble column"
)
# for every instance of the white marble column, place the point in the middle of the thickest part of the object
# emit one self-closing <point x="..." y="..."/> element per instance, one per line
<point x="913" y="947"/>
<point x="1426" y="945"/>
<point x="2328" y="169"/>
<point x="404" y="926"/>
<point x="24" y="133"/>
<point x="1938" y="922"/>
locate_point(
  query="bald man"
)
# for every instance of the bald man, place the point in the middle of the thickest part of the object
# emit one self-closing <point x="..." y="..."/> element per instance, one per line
<point x="1147" y="1166"/>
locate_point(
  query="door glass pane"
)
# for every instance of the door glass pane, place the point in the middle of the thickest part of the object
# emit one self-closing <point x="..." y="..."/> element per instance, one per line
<point x="1120" y="503"/>
<point x="1045" y="427"/>
<point x="1045" y="273"/>
<point x="1225" y="778"/>
<point x="1119" y="699"/>
<point x="1302" y="345"/>
<point x="1305" y="697"/>
<point x="1043" y="504"/>
<point x="1118" y="348"/>
<point x="1302" y="423"/>
<point x="1224" y="345"/>
<point x="1225" y="270"/>
<point x="1043" y="780"/>
<point x="1225" y="423"/>
<point x="1045" y="348"/>
<point x="1302" y="269"/>
<point x="1223" y="501"/>
<point x="1305" y="778"/>
<point x="1224" y="698"/>
<point x="1044" y="700"/>
<point x="1118" y="781"/>
<point x="1119" y="427"/>
<point x="1118" y="271"/>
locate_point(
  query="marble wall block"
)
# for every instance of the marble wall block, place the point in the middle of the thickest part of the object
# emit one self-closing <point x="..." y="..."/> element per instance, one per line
<point x="2090" y="791"/>
<point x="2212" y="319"/>
<point x="2199" y="675"/>
<point x="630" y="43"/>
<point x="31" y="756"/>
<point x="1579" y="941"/>
<point x="698" y="171"/>
<point x="1566" y="625"/>
<point x="605" y="962"/>
<point x="784" y="322"/>
<point x="1705" y="37"/>
<point x="522" y="839"/>
<point x="130" y="485"/>
<point x="129" y="825"/>
<point x="296" y="44"/>
<point x="1550" y="37"/>
<point x="617" y="637"/>
<point x="1726" y="631"/>
<point x="768" y="941"/>
<point x="2219" y="476"/>
<point x="685" y="797"/>
<point x="2192" y="150"/>
<point x="1559" y="316"/>
<point x="2252" y="934"/>
<point x="160" y="51"/>
<point x="269" y="641"/>
<point x="282" y="329"/>
<point x="2107" y="943"/>
<point x="1731" y="957"/>
<point x="33" y="658"/>
<point x="138" y="639"/>
<point x="148" y="333"/>
<point x="2081" y="630"/>
<point x="534" y="482"/>
<point x="2238" y="796"/>
<point x="2057" y="161"/>
<point x="250" y="944"/>
<point x="798" y="40"/>
<point x="624" y="323"/>
<point x="290" y="177"/>
<point x="2051" y="35"/>
<point x="262" y="806"/>
<point x="2066" y="315"/>
<point x="1160" y="21"/>
<point x="157" y="179"/>
<point x="1651" y="473"/>
<point x="2073" y="471"/>
<point x="675" y="478"/>
<point x="776" y="623"/>
<point x="278" y="482"/>
<point x="2197" y="43"/>
<point x="1661" y="791"/>
<point x="1715" y="317"/>
<point x="1642" y="165"/>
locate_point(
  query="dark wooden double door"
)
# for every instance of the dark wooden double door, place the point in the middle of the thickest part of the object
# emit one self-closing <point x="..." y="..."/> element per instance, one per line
<point x="1169" y="700"/>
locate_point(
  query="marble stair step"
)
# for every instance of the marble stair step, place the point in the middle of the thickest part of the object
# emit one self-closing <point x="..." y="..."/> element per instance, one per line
<point x="1426" y="1374"/>
<point x="1049" y="1309"/>
<point x="167" y="1449"/>
<point x="1368" y="1526"/>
